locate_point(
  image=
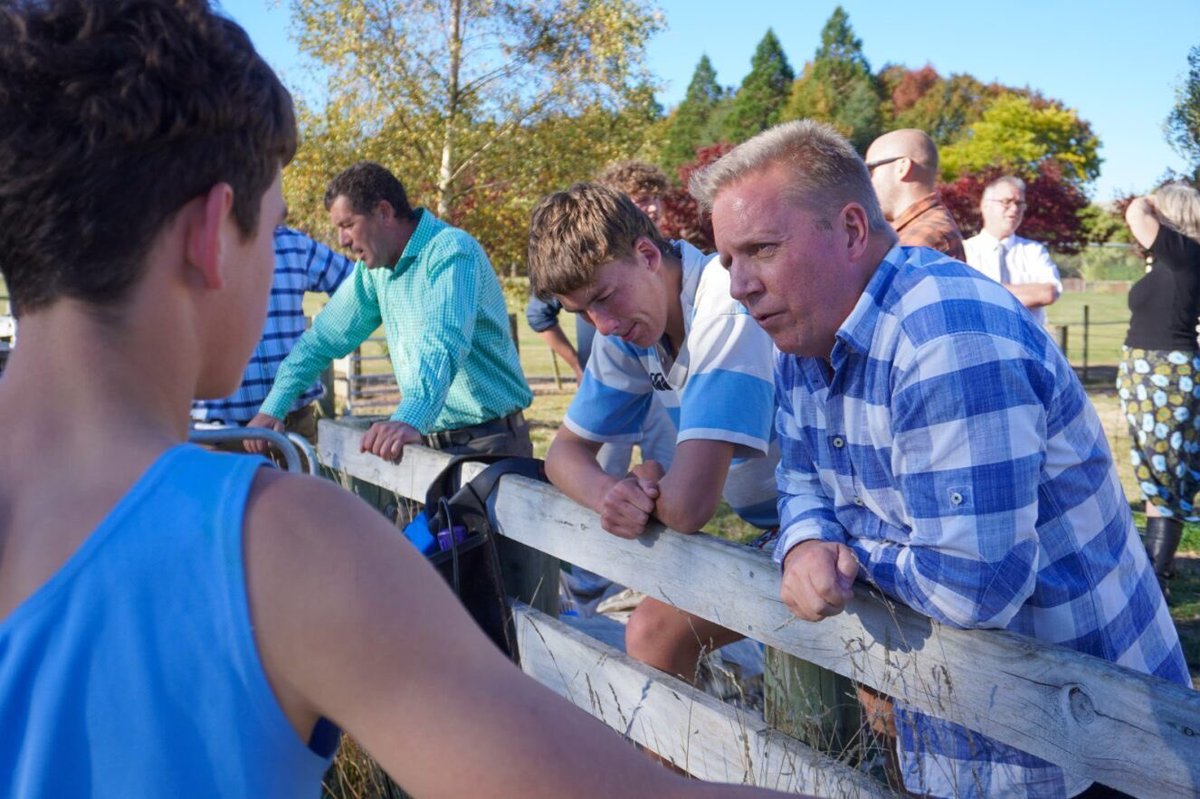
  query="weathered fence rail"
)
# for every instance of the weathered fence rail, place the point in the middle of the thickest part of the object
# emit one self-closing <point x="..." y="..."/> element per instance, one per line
<point x="1124" y="729"/>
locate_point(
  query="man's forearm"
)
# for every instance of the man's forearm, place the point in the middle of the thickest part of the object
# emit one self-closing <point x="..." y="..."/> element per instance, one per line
<point x="561" y="346"/>
<point x="1034" y="295"/>
<point x="299" y="369"/>
<point x="944" y="584"/>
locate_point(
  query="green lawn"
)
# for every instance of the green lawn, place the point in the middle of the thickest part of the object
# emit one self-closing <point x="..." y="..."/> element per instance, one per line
<point x="1108" y="318"/>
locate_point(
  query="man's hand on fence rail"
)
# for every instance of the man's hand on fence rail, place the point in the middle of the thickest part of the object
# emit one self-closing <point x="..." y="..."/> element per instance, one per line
<point x="818" y="579"/>
<point x="387" y="439"/>
<point x="260" y="445"/>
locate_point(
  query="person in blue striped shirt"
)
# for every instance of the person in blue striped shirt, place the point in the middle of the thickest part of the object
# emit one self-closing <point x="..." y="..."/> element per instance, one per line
<point x="935" y="442"/>
<point x="301" y="265"/>
<point x="668" y="329"/>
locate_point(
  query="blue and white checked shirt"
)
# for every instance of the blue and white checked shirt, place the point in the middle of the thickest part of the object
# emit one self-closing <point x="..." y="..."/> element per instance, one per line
<point x="949" y="444"/>
<point x="301" y="265"/>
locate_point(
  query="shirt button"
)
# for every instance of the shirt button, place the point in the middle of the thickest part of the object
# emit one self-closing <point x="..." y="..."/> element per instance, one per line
<point x="839" y="442"/>
<point x="859" y="501"/>
<point x="955" y="498"/>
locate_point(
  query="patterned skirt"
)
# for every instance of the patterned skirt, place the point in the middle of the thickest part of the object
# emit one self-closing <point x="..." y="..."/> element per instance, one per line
<point x="1160" y="397"/>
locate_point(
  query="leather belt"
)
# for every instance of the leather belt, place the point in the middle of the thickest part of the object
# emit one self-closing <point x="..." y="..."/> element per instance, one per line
<point x="464" y="435"/>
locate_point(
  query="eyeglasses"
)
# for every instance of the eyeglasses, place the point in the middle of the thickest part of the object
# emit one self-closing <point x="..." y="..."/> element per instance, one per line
<point x="872" y="164"/>
<point x="1010" y="203"/>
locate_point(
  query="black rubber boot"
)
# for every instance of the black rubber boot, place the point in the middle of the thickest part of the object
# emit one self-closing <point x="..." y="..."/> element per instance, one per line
<point x="1162" y="539"/>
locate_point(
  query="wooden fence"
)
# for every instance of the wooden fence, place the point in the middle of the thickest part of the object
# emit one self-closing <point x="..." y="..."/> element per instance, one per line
<point x="1119" y="727"/>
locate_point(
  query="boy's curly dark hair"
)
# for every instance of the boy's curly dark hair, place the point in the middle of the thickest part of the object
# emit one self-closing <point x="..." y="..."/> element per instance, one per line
<point x="113" y="115"/>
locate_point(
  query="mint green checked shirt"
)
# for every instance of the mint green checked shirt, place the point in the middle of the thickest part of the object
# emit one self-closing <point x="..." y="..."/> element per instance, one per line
<point x="447" y="332"/>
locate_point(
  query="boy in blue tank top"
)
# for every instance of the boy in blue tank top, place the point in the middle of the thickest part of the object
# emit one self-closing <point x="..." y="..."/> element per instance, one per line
<point x="186" y="621"/>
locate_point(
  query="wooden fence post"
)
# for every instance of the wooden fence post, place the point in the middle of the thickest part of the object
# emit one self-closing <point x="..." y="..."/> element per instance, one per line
<point x="1062" y="334"/>
<point x="1087" y="324"/>
<point x="809" y="703"/>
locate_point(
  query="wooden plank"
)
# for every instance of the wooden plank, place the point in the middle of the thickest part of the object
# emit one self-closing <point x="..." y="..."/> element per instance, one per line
<point x="1122" y="728"/>
<point x="1119" y="727"/>
<point x="698" y="733"/>
<point x="338" y="442"/>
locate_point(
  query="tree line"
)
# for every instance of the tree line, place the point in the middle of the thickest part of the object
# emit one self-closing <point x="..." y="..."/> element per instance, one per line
<point x="484" y="106"/>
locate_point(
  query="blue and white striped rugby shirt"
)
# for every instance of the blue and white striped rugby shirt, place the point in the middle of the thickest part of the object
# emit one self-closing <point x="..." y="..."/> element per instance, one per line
<point x="950" y="445"/>
<point x="301" y="265"/>
<point x="718" y="389"/>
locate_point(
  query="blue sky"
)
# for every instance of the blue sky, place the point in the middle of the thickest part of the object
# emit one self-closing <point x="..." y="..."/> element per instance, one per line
<point x="1116" y="62"/>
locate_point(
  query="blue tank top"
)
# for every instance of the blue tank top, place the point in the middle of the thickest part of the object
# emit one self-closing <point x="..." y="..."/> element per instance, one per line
<point x="133" y="671"/>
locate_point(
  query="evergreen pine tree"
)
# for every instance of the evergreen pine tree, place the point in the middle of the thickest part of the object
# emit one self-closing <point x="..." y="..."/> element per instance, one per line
<point x="762" y="95"/>
<point x="689" y="123"/>
<point x="837" y="85"/>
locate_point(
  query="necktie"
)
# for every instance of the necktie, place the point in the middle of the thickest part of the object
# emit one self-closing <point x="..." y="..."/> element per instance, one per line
<point x="1001" y="254"/>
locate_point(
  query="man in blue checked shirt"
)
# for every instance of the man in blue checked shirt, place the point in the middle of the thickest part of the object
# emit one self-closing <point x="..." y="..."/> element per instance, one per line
<point x="301" y="265"/>
<point x="935" y="443"/>
<point x="434" y="291"/>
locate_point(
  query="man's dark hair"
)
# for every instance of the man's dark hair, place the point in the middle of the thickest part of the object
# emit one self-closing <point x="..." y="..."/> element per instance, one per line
<point x="364" y="185"/>
<point x="114" y="115"/>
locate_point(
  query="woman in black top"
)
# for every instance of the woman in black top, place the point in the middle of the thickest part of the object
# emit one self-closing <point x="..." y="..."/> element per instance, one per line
<point x="1159" y="377"/>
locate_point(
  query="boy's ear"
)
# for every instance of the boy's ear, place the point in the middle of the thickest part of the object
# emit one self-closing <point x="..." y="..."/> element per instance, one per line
<point x="206" y="230"/>
<point x="649" y="250"/>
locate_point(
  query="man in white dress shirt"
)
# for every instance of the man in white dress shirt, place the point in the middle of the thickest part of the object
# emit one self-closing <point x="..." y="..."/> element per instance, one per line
<point x="1022" y="266"/>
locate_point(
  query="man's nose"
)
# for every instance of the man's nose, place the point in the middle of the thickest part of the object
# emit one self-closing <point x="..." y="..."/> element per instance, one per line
<point x="739" y="283"/>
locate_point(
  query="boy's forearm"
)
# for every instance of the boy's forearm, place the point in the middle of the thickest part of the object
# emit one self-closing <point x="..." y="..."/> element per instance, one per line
<point x="683" y="508"/>
<point x="692" y="488"/>
<point x="572" y="467"/>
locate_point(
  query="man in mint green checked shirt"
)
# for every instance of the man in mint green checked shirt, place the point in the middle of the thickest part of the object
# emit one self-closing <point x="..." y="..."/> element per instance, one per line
<point x="432" y="288"/>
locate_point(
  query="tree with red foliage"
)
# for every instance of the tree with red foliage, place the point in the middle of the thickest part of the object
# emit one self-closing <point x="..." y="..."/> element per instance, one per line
<point x="680" y="215"/>
<point x="1052" y="216"/>
<point x="913" y="84"/>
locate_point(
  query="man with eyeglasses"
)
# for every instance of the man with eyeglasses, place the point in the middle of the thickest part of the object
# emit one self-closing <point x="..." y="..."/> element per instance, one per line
<point x="904" y="169"/>
<point x="1023" y="267"/>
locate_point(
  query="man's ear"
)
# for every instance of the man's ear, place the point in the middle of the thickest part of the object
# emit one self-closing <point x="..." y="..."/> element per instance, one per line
<point x="856" y="227"/>
<point x="205" y="234"/>
<point x="384" y="210"/>
<point x="904" y="168"/>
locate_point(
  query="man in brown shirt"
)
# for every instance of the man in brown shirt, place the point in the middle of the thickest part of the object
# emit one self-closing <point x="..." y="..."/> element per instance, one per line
<point x="904" y="169"/>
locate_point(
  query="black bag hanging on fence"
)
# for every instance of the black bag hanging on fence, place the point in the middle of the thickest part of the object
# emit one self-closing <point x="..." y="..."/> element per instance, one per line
<point x="471" y="564"/>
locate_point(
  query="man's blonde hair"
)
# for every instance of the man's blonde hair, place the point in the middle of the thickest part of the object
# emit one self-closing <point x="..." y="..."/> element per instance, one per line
<point x="573" y="233"/>
<point x="824" y="170"/>
<point x="634" y="178"/>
